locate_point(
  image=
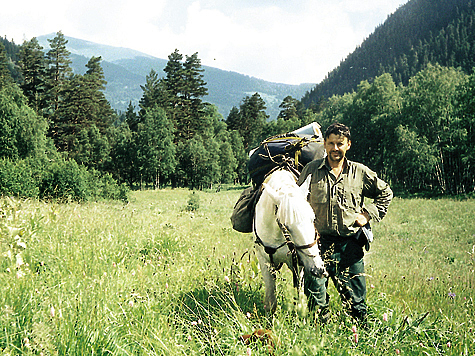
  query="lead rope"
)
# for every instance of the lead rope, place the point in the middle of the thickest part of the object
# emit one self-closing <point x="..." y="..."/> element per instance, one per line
<point x="292" y="251"/>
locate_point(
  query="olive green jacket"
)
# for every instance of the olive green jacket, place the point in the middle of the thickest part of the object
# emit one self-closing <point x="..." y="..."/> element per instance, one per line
<point x="338" y="201"/>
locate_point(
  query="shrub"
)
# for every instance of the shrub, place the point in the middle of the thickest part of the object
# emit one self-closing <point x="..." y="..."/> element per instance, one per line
<point x="193" y="202"/>
<point x="65" y="180"/>
<point x="17" y="178"/>
<point x="106" y="187"/>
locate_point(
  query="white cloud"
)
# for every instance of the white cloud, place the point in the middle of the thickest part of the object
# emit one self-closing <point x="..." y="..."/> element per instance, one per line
<point x="276" y="40"/>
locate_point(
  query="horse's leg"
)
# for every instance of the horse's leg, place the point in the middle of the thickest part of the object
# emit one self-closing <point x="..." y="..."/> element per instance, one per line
<point x="268" y="275"/>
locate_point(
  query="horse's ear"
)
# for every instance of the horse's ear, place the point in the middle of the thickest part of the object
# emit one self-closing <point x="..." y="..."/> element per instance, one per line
<point x="305" y="187"/>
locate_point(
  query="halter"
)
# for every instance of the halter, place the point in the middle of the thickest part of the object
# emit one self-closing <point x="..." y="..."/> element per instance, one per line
<point x="290" y="245"/>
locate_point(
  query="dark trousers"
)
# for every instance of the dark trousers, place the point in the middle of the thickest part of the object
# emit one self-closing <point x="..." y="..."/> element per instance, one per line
<point x="344" y="264"/>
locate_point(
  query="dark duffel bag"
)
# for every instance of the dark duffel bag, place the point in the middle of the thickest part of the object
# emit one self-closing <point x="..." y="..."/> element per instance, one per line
<point x="290" y="149"/>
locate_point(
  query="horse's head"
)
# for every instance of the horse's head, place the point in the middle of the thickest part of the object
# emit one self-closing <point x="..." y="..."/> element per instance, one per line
<point x="297" y="216"/>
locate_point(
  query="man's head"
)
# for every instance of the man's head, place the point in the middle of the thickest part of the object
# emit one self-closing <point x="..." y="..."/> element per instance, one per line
<point x="337" y="141"/>
<point x="338" y="130"/>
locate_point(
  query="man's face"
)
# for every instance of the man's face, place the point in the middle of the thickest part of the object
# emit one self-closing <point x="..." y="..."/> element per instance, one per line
<point x="336" y="147"/>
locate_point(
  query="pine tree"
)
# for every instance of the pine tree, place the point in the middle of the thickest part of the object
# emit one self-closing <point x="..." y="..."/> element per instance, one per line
<point x="100" y="112"/>
<point x="289" y="108"/>
<point x="252" y="120"/>
<point x="193" y="90"/>
<point x="33" y="68"/>
<point x="84" y="109"/>
<point x="150" y="92"/>
<point x="131" y="118"/>
<point x="5" y="76"/>
<point x="174" y="84"/>
<point x="58" y="73"/>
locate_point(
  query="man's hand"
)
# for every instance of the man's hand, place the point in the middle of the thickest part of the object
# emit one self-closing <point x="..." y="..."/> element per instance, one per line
<point x="362" y="219"/>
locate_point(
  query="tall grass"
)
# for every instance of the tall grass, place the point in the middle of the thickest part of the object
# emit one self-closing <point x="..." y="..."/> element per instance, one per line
<point x="155" y="277"/>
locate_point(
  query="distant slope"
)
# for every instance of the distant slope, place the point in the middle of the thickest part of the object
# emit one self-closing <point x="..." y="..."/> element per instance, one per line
<point x="125" y="70"/>
<point x="418" y="33"/>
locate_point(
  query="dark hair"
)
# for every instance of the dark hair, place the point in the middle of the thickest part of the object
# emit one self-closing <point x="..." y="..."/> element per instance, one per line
<point x="338" y="130"/>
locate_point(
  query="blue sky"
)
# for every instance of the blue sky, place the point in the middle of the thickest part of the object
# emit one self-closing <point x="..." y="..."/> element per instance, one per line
<point x="284" y="41"/>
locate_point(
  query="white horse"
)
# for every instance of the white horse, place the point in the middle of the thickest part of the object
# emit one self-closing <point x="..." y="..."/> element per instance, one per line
<point x="285" y="232"/>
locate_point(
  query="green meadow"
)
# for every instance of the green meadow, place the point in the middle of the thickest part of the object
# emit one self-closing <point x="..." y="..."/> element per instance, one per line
<point x="165" y="274"/>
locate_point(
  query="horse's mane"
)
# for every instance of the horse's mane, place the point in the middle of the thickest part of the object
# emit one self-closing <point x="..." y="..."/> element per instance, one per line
<point x="294" y="207"/>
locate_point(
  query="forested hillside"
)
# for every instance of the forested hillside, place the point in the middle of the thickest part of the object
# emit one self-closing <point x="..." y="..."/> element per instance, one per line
<point x="418" y="33"/>
<point x="413" y="124"/>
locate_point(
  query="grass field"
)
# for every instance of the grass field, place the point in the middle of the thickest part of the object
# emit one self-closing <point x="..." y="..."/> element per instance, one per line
<point x="155" y="277"/>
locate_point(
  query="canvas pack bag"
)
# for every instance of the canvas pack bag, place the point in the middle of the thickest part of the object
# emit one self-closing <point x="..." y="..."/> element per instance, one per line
<point x="243" y="212"/>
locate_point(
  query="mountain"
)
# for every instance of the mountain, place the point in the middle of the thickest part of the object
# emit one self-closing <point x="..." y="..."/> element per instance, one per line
<point x="417" y="33"/>
<point x="125" y="71"/>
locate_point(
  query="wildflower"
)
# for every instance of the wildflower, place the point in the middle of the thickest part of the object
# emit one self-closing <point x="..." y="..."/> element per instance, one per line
<point x="131" y="303"/>
<point x="398" y="352"/>
<point x="248" y="315"/>
<point x="52" y="311"/>
<point x="8" y="270"/>
<point x="248" y="351"/>
<point x="385" y="317"/>
<point x="166" y="285"/>
<point x="114" y="264"/>
<point x="19" y="261"/>
<point x="355" y="334"/>
<point x="372" y="286"/>
<point x="449" y="344"/>
<point x="452" y="295"/>
<point x="189" y="337"/>
<point x="194" y="323"/>
<point x="226" y="278"/>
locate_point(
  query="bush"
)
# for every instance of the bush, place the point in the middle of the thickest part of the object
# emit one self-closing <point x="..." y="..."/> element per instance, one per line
<point x="60" y="180"/>
<point x="65" y="180"/>
<point x="17" y="178"/>
<point x="193" y="202"/>
<point x="106" y="187"/>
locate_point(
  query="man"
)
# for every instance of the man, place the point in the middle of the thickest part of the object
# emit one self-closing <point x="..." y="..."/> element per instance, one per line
<point x="338" y="188"/>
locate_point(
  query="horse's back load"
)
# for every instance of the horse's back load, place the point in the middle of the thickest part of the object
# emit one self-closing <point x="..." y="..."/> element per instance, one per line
<point x="293" y="150"/>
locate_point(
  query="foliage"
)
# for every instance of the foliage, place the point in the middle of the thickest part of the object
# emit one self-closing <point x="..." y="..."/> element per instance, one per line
<point x="66" y="180"/>
<point x="417" y="136"/>
<point x="33" y="68"/>
<point x="22" y="131"/>
<point x="418" y="33"/>
<point x="18" y="178"/>
<point x="412" y="121"/>
<point x="156" y="150"/>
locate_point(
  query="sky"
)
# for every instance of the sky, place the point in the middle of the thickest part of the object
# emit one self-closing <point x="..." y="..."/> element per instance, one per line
<point x="282" y="41"/>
